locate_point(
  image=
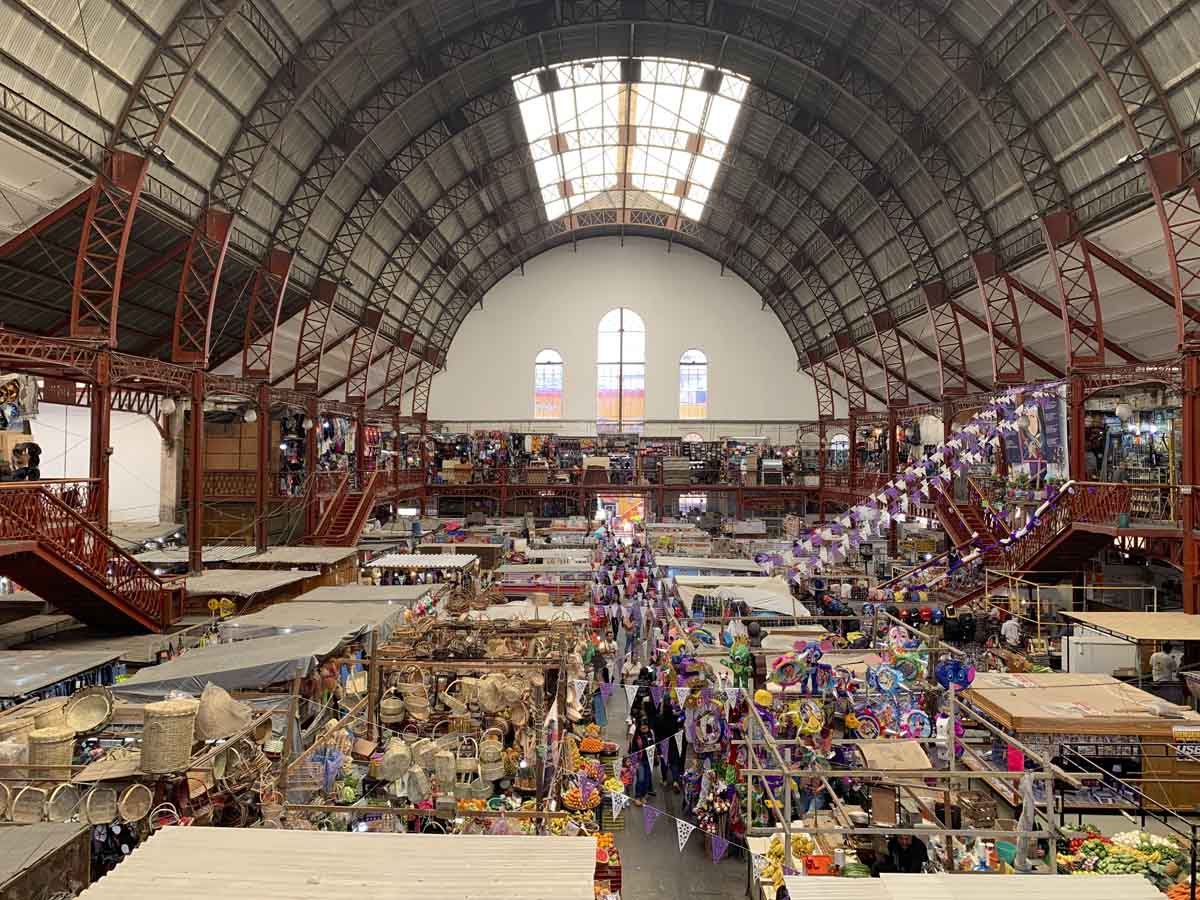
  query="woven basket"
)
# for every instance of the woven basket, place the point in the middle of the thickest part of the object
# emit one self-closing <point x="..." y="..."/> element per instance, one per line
<point x="513" y="689"/>
<point x="491" y="771"/>
<point x="135" y="803"/>
<point x="16" y="728"/>
<point x="49" y="714"/>
<point x="467" y="761"/>
<point x="423" y="752"/>
<point x="99" y="806"/>
<point x="444" y="768"/>
<point x="170" y="727"/>
<point x="491" y="747"/>
<point x="89" y="710"/>
<point x="391" y="709"/>
<point x="50" y="750"/>
<point x="29" y="806"/>
<point x="519" y="715"/>
<point x="397" y="759"/>
<point x="5" y="800"/>
<point x="63" y="803"/>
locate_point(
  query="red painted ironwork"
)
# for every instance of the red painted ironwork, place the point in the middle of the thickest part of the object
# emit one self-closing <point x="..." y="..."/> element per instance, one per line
<point x="820" y="376"/>
<point x="198" y="284"/>
<point x="196" y="497"/>
<point x="1003" y="319"/>
<point x="362" y="354"/>
<point x="1129" y="273"/>
<point x="224" y="484"/>
<point x="313" y="327"/>
<point x="856" y="390"/>
<point x="262" y="318"/>
<point x="1079" y="299"/>
<point x="99" y="447"/>
<point x="100" y="262"/>
<point x="31" y="512"/>
<point x="943" y="317"/>
<point x="72" y="206"/>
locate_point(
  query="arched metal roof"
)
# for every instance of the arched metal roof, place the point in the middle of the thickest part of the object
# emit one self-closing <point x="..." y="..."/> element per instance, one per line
<point x="885" y="150"/>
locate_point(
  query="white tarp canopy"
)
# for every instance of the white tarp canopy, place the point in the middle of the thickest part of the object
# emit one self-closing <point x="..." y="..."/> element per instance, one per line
<point x="424" y="561"/>
<point x="245" y="665"/>
<point x="286" y="618"/>
<point x="771" y="601"/>
<point x="712" y="564"/>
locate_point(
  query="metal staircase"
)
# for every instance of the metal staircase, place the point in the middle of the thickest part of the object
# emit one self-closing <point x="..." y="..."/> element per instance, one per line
<point x="346" y="516"/>
<point x="51" y="544"/>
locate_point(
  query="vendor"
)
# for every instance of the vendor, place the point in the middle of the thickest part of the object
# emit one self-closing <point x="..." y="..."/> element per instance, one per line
<point x="905" y="854"/>
<point x="1011" y="632"/>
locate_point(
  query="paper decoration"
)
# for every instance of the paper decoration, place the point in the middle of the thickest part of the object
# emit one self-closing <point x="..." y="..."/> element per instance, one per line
<point x="650" y="755"/>
<point x="606" y="690"/>
<point x="664" y="748"/>
<point x="630" y="692"/>
<point x="649" y="817"/>
<point x="656" y="694"/>
<point x="760" y="863"/>
<point x="719" y="846"/>
<point x="616" y="766"/>
<point x="586" y="786"/>
<point x="684" y="831"/>
<point x="619" y="802"/>
<point x="731" y="694"/>
<point x="580" y="689"/>
<point x="679" y="742"/>
<point x="682" y="693"/>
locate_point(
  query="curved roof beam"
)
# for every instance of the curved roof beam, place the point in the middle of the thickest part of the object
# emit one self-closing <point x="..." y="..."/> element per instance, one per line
<point x="940" y="163"/>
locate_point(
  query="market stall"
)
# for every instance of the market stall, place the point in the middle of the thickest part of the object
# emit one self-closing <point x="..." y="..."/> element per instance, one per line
<point x="38" y="674"/>
<point x="422" y="568"/>
<point x="1099" y="722"/>
<point x="564" y="582"/>
<point x="700" y="565"/>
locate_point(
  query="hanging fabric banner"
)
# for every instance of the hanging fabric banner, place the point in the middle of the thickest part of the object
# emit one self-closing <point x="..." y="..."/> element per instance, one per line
<point x="656" y="694"/>
<point x="649" y="817"/>
<point x="682" y="693"/>
<point x="685" y="830"/>
<point x="580" y="689"/>
<point x="630" y="692"/>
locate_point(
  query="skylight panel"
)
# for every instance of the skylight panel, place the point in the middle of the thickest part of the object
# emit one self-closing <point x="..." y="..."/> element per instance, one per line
<point x="600" y="142"/>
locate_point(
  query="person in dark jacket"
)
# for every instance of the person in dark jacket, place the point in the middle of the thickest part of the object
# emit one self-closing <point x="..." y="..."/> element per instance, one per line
<point x="665" y="723"/>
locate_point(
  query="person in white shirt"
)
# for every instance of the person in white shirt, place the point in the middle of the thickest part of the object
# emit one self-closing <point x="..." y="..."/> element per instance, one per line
<point x="1011" y="631"/>
<point x="1164" y="668"/>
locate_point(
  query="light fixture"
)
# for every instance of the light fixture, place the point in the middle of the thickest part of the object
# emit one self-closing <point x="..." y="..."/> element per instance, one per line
<point x="307" y="424"/>
<point x="283" y="447"/>
<point x="250" y="415"/>
<point x="167" y="406"/>
<point x="1124" y="411"/>
<point x="1130" y="159"/>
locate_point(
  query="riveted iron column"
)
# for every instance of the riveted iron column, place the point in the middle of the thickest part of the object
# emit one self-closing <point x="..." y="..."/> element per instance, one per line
<point x="195" y="516"/>
<point x="1077" y="464"/>
<point x="893" y="463"/>
<point x="1191" y="478"/>
<point x="312" y="504"/>
<point x="262" y="471"/>
<point x="100" y="450"/>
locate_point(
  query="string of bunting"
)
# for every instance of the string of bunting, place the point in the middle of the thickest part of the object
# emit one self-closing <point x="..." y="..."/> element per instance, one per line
<point x="683" y="830"/>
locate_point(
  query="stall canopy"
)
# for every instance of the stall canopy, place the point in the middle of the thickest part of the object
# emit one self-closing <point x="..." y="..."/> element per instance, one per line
<point x="1066" y="703"/>
<point x="782" y="604"/>
<point x="353" y="619"/>
<point x="523" y="609"/>
<point x="406" y="594"/>
<point x="985" y="887"/>
<point x="702" y="564"/>
<point x="245" y="665"/>
<point x="777" y="585"/>
<point x="252" y="863"/>
<point x="1142" y="626"/>
<point x="26" y="671"/>
<point x="424" y="561"/>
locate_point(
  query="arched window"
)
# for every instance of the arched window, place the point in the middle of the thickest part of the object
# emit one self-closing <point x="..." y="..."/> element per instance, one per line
<point x="548" y="385"/>
<point x="621" y="372"/>
<point x="693" y="385"/>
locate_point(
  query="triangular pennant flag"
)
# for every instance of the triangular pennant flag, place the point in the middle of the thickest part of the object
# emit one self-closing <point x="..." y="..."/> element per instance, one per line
<point x="649" y="817"/>
<point x="606" y="690"/>
<point x="664" y="748"/>
<point x="630" y="692"/>
<point x="684" y="831"/>
<point x="619" y="802"/>
<point x="682" y="693"/>
<point x="586" y="786"/>
<point x="760" y="863"/>
<point x="719" y="846"/>
<point x="656" y="694"/>
<point x="679" y="742"/>
<point x="650" y="755"/>
<point x="617" y="767"/>
<point x="580" y="688"/>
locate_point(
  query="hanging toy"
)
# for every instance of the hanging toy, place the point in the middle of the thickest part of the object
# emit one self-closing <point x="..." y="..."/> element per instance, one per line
<point x="917" y="724"/>
<point x="740" y="663"/>
<point x="788" y="668"/>
<point x="954" y="674"/>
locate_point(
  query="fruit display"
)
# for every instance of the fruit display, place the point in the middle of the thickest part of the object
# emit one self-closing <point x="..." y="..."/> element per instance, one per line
<point x="573" y="799"/>
<point x="614" y="785"/>
<point x="604" y="840"/>
<point x="472" y="805"/>
<point x="802" y="845"/>
<point x="591" y="745"/>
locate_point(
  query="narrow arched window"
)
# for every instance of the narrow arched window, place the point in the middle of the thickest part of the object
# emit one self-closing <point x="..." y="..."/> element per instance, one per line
<point x="693" y="385"/>
<point x="621" y="372"/>
<point x="548" y="385"/>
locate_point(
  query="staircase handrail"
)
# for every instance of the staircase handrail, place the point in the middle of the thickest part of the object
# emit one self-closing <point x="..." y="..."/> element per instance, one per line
<point x="949" y="513"/>
<point x="336" y="501"/>
<point x="938" y="560"/>
<point x="85" y="546"/>
<point x="998" y="526"/>
<point x="365" y="505"/>
<point x="1053" y="517"/>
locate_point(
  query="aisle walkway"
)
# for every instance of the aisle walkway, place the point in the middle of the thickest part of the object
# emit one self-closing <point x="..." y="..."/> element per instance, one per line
<point x="653" y="867"/>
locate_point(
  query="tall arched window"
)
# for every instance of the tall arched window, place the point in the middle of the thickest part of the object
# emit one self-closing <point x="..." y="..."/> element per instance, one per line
<point x="548" y="385"/>
<point x="621" y="372"/>
<point x="693" y="385"/>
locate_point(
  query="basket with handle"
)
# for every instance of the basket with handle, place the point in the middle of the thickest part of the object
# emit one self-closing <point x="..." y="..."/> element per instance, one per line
<point x="447" y="741"/>
<point x="29" y="806"/>
<point x="491" y="756"/>
<point x="100" y="806"/>
<point x="513" y="689"/>
<point x="89" y="710"/>
<point x="397" y="759"/>
<point x="454" y="704"/>
<point x="445" y="768"/>
<point x="135" y="803"/>
<point x="50" y="713"/>
<point x="391" y="708"/>
<point x="50" y="753"/>
<point x="423" y="752"/>
<point x="170" y="729"/>
<point x="467" y="759"/>
<point x="62" y="803"/>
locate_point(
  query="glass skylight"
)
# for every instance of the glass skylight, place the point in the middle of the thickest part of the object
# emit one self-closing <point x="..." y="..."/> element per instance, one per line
<point x="628" y="134"/>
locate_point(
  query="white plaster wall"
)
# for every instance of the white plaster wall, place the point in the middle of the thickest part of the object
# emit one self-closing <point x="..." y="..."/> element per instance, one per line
<point x="684" y="301"/>
<point x="135" y="467"/>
